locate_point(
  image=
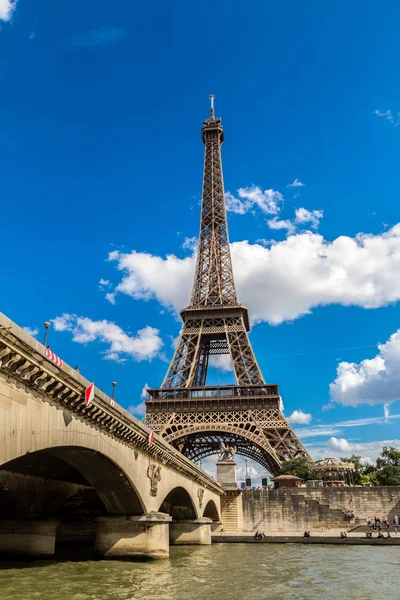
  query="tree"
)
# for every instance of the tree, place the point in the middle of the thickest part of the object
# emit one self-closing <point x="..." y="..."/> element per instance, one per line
<point x="388" y="475"/>
<point x="390" y="457"/>
<point x="299" y="467"/>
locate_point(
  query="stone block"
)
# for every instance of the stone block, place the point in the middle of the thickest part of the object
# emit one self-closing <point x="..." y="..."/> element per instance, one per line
<point x="35" y="538"/>
<point x="127" y="537"/>
<point x="190" y="532"/>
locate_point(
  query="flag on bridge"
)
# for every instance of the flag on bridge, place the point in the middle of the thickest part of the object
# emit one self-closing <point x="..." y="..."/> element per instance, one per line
<point x="89" y="394"/>
<point x="54" y="358"/>
<point x="151" y="434"/>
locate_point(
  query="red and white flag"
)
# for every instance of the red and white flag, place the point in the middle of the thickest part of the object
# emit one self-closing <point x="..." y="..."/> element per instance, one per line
<point x="151" y="434"/>
<point x="54" y="358"/>
<point x="112" y="402"/>
<point x="89" y="394"/>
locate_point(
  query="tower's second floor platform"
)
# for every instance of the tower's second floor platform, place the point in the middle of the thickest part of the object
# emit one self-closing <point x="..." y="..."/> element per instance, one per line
<point x="212" y="398"/>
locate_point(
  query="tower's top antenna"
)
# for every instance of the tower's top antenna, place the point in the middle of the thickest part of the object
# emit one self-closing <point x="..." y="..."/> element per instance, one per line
<point x="212" y="106"/>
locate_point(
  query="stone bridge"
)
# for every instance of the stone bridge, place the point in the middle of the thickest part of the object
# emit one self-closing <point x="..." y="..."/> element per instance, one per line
<point x="71" y="473"/>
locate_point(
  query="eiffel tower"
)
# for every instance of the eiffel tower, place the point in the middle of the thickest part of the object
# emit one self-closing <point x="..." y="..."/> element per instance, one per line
<point x="194" y="417"/>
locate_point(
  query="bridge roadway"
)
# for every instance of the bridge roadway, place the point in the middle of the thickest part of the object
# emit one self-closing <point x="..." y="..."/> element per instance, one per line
<point x="71" y="473"/>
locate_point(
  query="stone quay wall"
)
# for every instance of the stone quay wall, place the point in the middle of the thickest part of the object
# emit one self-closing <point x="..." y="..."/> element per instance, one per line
<point x="299" y="509"/>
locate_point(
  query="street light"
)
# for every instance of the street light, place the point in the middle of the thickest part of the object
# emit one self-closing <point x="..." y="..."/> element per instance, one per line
<point x="46" y="325"/>
<point x="114" y="383"/>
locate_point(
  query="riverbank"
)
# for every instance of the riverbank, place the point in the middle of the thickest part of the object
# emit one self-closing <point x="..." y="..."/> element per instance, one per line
<point x="295" y="538"/>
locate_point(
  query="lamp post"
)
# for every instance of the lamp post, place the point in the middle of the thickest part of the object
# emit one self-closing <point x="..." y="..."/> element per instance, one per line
<point x="114" y="383"/>
<point x="46" y="325"/>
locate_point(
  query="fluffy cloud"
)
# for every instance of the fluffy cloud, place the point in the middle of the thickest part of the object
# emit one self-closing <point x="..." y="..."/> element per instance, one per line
<point x="282" y="282"/>
<point x="269" y="201"/>
<point x="303" y="216"/>
<point x="372" y="381"/>
<point x="299" y="417"/>
<point x="144" y="346"/>
<point x="190" y="243"/>
<point x="340" y="444"/>
<point x="368" y="451"/>
<point x="277" y="224"/>
<point x="32" y="331"/>
<point x="296" y="183"/>
<point x="222" y="362"/>
<point x="6" y="9"/>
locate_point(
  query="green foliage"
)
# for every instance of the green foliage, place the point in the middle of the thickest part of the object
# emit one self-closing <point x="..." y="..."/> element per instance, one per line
<point x="390" y="457"/>
<point x="299" y="467"/>
<point x="385" y="472"/>
<point x="388" y="475"/>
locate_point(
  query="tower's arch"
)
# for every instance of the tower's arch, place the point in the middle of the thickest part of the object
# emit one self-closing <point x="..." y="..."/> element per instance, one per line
<point x="200" y="442"/>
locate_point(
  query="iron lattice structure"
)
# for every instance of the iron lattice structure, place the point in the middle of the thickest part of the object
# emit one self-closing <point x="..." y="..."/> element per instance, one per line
<point x="195" y="417"/>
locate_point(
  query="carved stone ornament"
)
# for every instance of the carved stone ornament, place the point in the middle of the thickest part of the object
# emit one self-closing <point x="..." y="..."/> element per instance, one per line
<point x="200" y="494"/>
<point x="226" y="452"/>
<point x="154" y="474"/>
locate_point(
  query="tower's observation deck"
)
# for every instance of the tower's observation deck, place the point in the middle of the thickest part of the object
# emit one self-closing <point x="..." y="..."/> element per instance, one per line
<point x="185" y="408"/>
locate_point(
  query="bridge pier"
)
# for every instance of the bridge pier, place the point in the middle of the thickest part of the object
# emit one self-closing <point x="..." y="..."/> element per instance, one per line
<point x="190" y="532"/>
<point x="127" y="537"/>
<point x="33" y="538"/>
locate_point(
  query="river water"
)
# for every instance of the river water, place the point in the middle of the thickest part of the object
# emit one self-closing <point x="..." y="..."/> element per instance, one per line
<point x="219" y="572"/>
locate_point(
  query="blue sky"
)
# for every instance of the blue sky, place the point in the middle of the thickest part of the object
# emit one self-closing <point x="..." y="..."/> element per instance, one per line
<point x="100" y="152"/>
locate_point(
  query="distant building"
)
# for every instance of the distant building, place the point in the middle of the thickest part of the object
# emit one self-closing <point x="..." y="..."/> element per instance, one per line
<point x="333" y="472"/>
<point x="287" y="481"/>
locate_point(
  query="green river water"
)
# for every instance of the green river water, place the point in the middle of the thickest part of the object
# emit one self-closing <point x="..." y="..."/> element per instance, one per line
<point x="219" y="572"/>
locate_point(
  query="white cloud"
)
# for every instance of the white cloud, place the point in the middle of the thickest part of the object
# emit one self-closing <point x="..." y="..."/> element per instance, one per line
<point x="368" y="451"/>
<point x="110" y="296"/>
<point x="7" y="8"/>
<point x="328" y="406"/>
<point x="339" y="444"/>
<point x="308" y="216"/>
<point x="277" y="224"/>
<point x="269" y="201"/>
<point x="299" y="417"/>
<point x="266" y="243"/>
<point x="327" y="429"/>
<point x="145" y="345"/>
<point x="190" y="243"/>
<point x="395" y="119"/>
<point x="386" y="411"/>
<point x="302" y="217"/>
<point x="104" y="283"/>
<point x="32" y="331"/>
<point x="283" y="282"/>
<point x="372" y="381"/>
<point x="222" y="362"/>
<point x="296" y="183"/>
<point x="146" y="276"/>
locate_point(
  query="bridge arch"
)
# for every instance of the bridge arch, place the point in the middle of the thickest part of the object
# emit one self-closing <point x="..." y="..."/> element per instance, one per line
<point x="202" y="440"/>
<point x="78" y="468"/>
<point x="179" y="504"/>
<point x="211" y="511"/>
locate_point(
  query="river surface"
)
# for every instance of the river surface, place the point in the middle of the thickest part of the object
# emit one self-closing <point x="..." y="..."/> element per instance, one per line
<point x="219" y="572"/>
